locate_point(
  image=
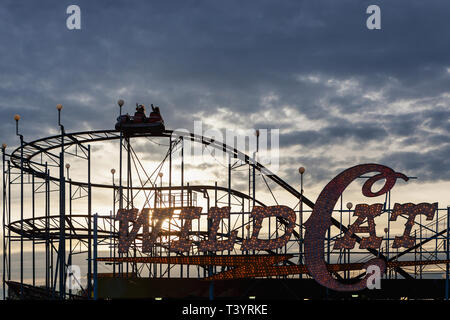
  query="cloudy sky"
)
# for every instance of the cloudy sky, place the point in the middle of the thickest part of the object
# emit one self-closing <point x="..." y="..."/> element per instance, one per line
<point x="339" y="93"/>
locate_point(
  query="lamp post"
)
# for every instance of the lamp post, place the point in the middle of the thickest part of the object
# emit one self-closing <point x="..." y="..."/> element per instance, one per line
<point x="301" y="170"/>
<point x="120" y="103"/>
<point x="4" y="221"/>
<point x="62" y="209"/>
<point x="447" y="251"/>
<point x="69" y="261"/>
<point x="349" y="207"/>
<point x="59" y="108"/>
<point x="17" y="118"/>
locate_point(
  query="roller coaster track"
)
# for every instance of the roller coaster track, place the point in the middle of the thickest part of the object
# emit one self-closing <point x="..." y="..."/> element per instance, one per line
<point x="46" y="145"/>
<point x="46" y="228"/>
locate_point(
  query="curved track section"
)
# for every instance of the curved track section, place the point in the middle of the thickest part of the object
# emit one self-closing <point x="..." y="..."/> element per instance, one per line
<point x="46" y="145"/>
<point x="35" y="228"/>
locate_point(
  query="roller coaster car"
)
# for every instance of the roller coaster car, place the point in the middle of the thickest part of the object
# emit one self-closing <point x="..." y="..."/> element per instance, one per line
<point x="129" y="125"/>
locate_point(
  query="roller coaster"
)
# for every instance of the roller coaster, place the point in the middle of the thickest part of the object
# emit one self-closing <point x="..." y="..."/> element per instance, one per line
<point x="44" y="235"/>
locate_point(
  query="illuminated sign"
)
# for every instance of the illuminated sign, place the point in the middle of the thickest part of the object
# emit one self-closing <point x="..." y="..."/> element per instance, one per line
<point x="316" y="227"/>
<point x="187" y="214"/>
<point x="216" y="215"/>
<point x="320" y="221"/>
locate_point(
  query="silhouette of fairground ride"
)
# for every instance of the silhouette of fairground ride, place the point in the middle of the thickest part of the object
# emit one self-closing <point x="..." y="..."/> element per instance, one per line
<point x="50" y="223"/>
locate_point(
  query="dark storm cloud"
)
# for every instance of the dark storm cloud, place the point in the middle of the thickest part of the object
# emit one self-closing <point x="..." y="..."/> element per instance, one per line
<point x="426" y="127"/>
<point x="430" y="165"/>
<point x="198" y="56"/>
<point x="344" y="131"/>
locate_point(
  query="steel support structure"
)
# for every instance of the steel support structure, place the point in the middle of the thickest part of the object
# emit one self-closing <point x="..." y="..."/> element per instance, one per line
<point x="21" y="168"/>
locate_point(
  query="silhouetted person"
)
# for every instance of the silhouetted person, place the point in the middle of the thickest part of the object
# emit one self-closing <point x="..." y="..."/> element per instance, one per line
<point x="139" y="115"/>
<point x="155" y="115"/>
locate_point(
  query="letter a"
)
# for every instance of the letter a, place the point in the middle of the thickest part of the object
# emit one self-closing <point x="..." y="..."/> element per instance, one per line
<point x="74" y="20"/>
<point x="363" y="212"/>
<point x="374" y="21"/>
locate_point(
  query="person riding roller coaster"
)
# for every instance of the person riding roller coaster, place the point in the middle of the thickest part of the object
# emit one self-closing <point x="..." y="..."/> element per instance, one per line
<point x="155" y="115"/>
<point x="139" y="123"/>
<point x="139" y="115"/>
